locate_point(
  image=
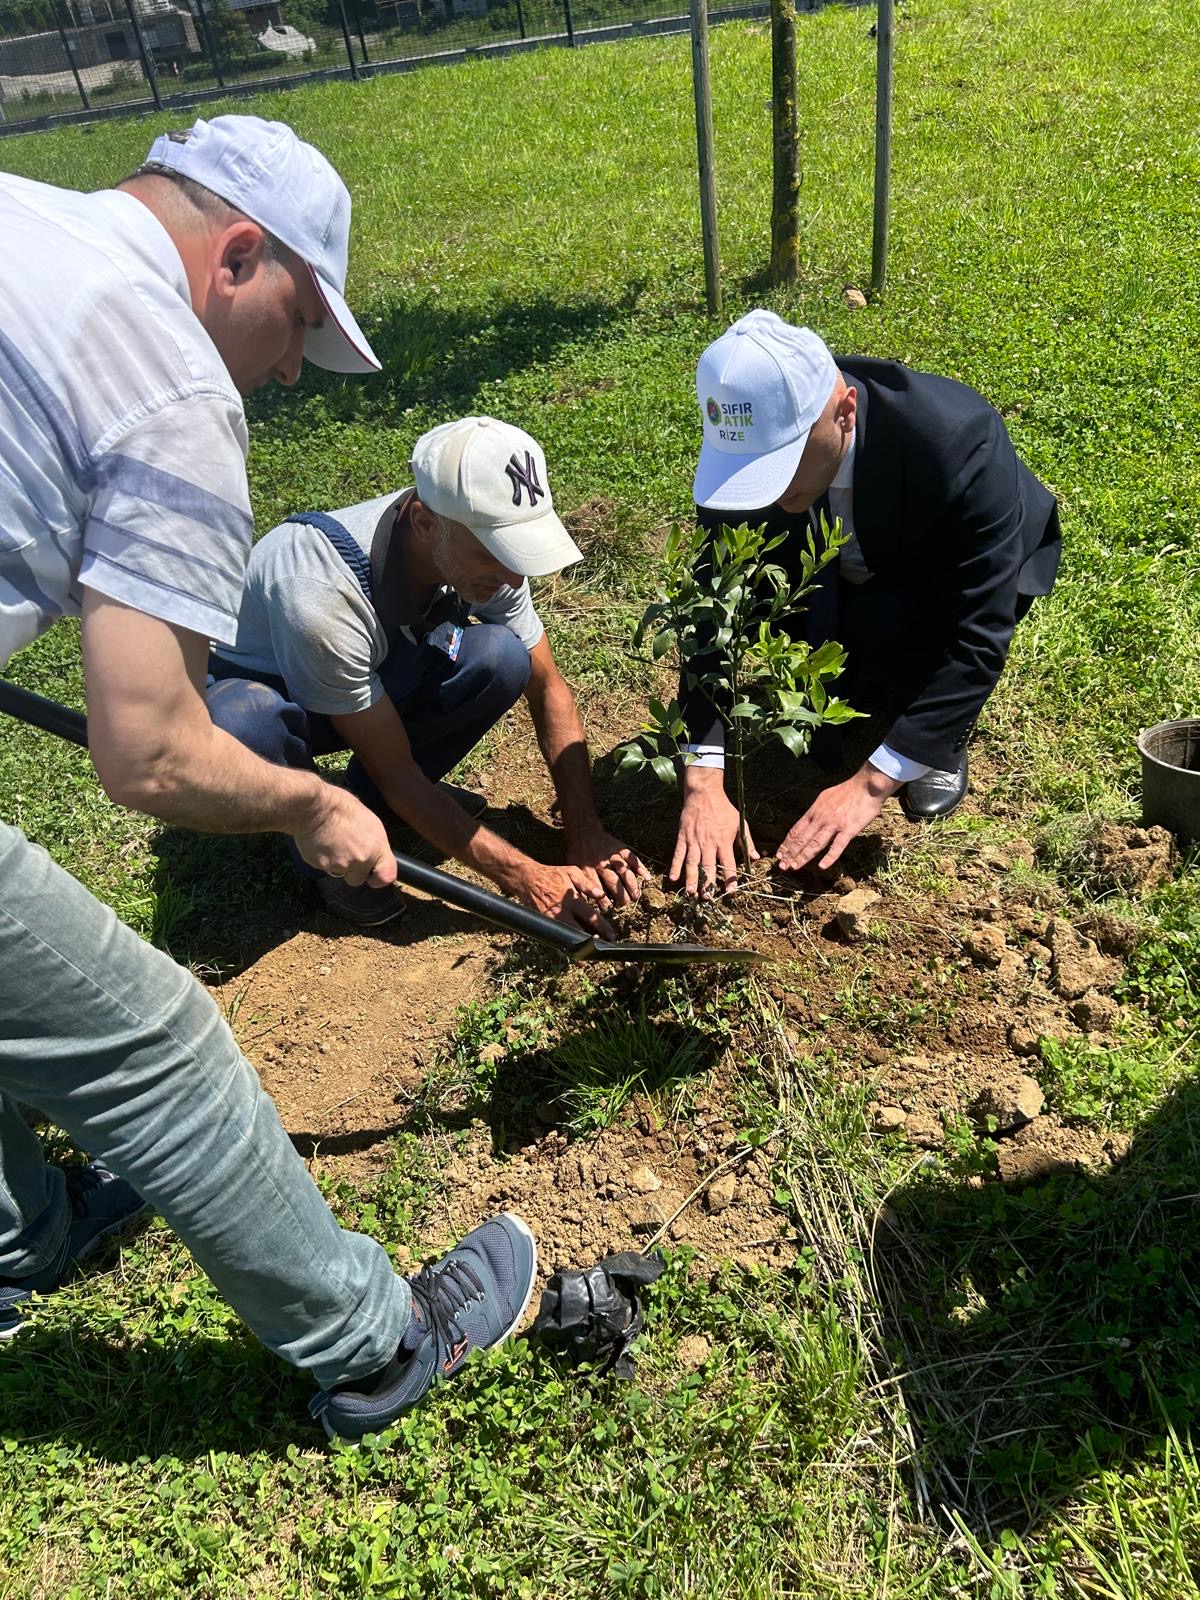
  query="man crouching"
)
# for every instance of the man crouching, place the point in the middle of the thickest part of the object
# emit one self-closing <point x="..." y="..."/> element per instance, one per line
<point x="403" y="629"/>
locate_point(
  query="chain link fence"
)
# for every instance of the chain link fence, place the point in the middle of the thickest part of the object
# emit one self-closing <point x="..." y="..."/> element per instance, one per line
<point x="71" y="60"/>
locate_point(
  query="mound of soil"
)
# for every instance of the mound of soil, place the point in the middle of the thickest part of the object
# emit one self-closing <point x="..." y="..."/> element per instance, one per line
<point x="632" y="1182"/>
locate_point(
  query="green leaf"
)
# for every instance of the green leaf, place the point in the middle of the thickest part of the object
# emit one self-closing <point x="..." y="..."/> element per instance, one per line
<point x="796" y="741"/>
<point x="664" y="769"/>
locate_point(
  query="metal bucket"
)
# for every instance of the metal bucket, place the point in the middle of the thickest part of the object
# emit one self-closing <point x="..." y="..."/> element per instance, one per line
<point x="1171" y="777"/>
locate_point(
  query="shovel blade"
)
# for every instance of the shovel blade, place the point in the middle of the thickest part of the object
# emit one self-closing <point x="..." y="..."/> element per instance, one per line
<point x="664" y="954"/>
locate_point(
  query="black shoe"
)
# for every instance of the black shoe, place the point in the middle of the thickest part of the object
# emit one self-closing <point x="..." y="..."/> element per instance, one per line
<point x="102" y="1206"/>
<point x="364" y="905"/>
<point x="473" y="804"/>
<point x="937" y="794"/>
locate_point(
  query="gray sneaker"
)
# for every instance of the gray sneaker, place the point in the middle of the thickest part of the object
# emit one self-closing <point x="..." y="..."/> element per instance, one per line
<point x="472" y="1298"/>
<point x="364" y="905"/>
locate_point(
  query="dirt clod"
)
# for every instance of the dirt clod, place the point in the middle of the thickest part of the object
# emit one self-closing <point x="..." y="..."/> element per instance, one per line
<point x="720" y="1193"/>
<point x="644" y="1180"/>
<point x="852" y="912"/>
<point x="1131" y="859"/>
<point x="925" y="1130"/>
<point x="1076" y="964"/>
<point x="1008" y="1105"/>
<point x="1042" y="1148"/>
<point x="1095" y="1013"/>
<point x="888" y="1119"/>
<point x="693" y="1351"/>
<point x="985" y="945"/>
<point x="854" y="298"/>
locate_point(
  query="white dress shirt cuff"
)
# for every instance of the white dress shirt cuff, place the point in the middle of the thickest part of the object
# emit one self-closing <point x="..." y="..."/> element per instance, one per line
<point x="705" y="755"/>
<point x="895" y="766"/>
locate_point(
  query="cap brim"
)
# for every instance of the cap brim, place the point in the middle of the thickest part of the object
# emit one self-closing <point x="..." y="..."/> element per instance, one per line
<point x="725" y="482"/>
<point x="535" y="549"/>
<point x="338" y="344"/>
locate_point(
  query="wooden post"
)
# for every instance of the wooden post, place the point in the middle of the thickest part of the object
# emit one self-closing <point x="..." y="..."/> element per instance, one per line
<point x="885" y="48"/>
<point x="785" y="145"/>
<point x="704" y="143"/>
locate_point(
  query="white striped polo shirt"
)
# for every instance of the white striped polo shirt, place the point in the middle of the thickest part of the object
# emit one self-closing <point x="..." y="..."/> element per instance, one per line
<point x="122" y="438"/>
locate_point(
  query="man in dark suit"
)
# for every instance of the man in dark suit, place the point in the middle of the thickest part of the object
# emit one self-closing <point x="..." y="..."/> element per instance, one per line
<point x="951" y="538"/>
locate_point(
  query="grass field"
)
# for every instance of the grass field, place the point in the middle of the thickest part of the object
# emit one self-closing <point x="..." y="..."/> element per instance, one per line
<point x="526" y="244"/>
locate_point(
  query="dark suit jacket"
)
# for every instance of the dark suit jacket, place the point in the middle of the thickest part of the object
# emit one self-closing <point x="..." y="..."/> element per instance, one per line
<point x="941" y="505"/>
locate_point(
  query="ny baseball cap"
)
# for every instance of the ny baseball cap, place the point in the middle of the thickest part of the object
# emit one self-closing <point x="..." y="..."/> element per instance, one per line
<point x="491" y="477"/>
<point x="289" y="188"/>
<point x="761" y="386"/>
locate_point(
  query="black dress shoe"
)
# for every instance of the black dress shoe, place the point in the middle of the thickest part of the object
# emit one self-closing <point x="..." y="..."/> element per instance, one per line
<point x="937" y="794"/>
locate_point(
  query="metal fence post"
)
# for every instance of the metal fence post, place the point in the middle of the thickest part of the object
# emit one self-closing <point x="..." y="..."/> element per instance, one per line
<point x="885" y="42"/>
<point x="570" y="23"/>
<point x="704" y="145"/>
<point x="209" y="44"/>
<point x="147" y="58"/>
<point x="520" y="19"/>
<point x="62" y="33"/>
<point x="358" y="28"/>
<point x="346" y="38"/>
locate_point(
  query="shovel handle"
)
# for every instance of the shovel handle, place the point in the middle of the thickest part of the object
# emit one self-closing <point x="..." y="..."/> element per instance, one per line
<point x="42" y="713"/>
<point x="51" y="717"/>
<point x="491" y="907"/>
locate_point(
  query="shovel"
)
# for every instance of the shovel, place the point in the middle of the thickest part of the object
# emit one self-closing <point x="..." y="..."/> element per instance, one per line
<point x="573" y="942"/>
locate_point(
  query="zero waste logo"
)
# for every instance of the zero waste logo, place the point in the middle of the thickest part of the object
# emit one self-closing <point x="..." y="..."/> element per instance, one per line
<point x="714" y="411"/>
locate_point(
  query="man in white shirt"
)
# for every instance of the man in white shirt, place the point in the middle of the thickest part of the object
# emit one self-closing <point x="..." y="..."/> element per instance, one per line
<point x="951" y="538"/>
<point x="131" y="322"/>
<point x="402" y="629"/>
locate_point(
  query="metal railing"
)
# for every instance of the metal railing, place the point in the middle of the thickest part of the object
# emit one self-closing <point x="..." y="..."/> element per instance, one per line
<point x="111" y="57"/>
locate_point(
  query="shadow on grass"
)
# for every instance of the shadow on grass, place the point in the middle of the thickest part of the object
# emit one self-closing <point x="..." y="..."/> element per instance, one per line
<point x="447" y="359"/>
<point x="125" y="1400"/>
<point x="1049" y="1328"/>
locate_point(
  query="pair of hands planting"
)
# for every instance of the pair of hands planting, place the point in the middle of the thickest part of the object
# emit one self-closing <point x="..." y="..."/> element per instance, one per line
<point x="706" y="849"/>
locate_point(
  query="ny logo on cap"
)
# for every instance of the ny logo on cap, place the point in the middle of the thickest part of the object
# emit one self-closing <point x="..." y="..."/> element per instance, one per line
<point x="524" y="477"/>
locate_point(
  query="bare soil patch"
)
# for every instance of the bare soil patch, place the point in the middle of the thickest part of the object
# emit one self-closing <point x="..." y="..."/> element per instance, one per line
<point x="930" y="990"/>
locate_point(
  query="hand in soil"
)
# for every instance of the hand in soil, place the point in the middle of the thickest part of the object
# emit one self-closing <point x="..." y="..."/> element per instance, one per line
<point x="573" y="895"/>
<point x="614" y="863"/>
<point x="836" y="816"/>
<point x="706" y="848"/>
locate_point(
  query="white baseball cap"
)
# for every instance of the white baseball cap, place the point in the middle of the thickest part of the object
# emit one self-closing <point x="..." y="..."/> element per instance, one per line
<point x="286" y="186"/>
<point x="761" y="386"/>
<point x="491" y="477"/>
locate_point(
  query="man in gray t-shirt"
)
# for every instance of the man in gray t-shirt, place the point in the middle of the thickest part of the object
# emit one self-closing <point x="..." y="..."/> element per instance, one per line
<point x="402" y="629"/>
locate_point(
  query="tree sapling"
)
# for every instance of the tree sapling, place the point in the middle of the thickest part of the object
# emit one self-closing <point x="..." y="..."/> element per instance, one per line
<point x="725" y="606"/>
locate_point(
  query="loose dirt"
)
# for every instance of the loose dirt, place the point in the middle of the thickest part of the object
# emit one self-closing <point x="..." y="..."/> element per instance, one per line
<point x="926" y="979"/>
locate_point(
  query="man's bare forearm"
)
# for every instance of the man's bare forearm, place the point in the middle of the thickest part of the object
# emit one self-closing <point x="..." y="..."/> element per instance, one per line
<point x="448" y="828"/>
<point x="564" y="749"/>
<point x="211" y="783"/>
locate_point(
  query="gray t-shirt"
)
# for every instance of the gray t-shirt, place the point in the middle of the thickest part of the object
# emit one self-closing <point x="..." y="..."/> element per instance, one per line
<point x="305" y="619"/>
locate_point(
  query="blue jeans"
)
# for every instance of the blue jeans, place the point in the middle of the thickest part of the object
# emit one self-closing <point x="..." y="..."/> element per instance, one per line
<point x="113" y="1042"/>
<point x="446" y="707"/>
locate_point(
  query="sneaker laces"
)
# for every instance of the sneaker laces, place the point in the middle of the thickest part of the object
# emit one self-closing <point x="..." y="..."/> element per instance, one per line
<point x="443" y="1292"/>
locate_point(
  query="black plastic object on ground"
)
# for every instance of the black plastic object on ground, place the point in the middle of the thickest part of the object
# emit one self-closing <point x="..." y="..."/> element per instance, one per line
<point x="1171" y="777"/>
<point x="594" y="1315"/>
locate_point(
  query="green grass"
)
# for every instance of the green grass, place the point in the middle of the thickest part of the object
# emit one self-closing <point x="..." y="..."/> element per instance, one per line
<point x="526" y="243"/>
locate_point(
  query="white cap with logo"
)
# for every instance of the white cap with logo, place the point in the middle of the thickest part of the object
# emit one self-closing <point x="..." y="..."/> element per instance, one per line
<point x="264" y="170"/>
<point x="761" y="386"/>
<point x="491" y="477"/>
